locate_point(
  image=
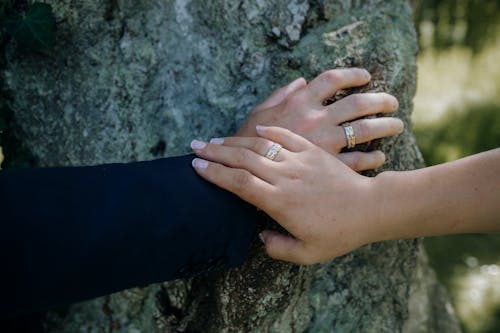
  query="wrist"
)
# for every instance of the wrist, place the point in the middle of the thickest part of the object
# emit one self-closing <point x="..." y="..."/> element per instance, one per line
<point x="385" y="217"/>
<point x="370" y="212"/>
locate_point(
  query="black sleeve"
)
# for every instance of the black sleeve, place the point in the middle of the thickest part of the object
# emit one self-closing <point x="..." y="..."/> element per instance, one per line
<point x="70" y="234"/>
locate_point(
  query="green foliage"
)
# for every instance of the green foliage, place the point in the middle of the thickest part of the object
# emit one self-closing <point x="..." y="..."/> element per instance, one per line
<point x="5" y="5"/>
<point x="447" y="254"/>
<point x="460" y="134"/>
<point x="470" y="23"/>
<point x="448" y="257"/>
<point x="34" y="29"/>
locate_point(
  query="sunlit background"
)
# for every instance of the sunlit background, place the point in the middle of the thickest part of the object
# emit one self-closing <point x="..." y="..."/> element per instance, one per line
<point x="457" y="113"/>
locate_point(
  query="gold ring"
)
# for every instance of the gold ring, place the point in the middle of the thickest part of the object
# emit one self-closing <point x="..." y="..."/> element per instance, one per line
<point x="273" y="151"/>
<point x="349" y="135"/>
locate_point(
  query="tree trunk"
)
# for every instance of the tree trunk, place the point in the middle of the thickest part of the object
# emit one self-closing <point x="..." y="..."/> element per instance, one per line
<point x="137" y="80"/>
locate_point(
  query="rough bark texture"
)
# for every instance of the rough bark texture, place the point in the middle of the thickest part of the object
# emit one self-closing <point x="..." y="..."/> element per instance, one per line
<point x="137" y="80"/>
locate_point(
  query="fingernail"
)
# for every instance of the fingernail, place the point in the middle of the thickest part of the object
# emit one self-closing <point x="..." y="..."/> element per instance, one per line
<point x="195" y="144"/>
<point x="381" y="155"/>
<point x="368" y="76"/>
<point x="217" y="141"/>
<point x="261" y="236"/>
<point x="260" y="128"/>
<point x="395" y="104"/>
<point x="198" y="163"/>
<point x="401" y="127"/>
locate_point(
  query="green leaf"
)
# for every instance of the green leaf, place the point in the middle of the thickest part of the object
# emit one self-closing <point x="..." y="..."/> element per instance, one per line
<point x="36" y="29"/>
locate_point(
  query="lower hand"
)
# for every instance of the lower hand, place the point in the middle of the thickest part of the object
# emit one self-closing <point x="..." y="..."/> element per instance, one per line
<point x="319" y="200"/>
<point x="300" y="108"/>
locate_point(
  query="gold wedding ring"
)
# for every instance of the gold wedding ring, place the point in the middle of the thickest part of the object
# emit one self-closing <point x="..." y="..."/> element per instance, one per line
<point x="273" y="151"/>
<point x="349" y="135"/>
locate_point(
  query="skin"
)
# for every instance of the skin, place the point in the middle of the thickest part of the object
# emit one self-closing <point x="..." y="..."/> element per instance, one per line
<point x="299" y="107"/>
<point x="329" y="209"/>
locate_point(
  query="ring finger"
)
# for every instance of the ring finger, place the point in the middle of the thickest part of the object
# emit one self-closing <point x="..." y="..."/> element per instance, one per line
<point x="241" y="155"/>
<point x="258" y="145"/>
<point x="364" y="130"/>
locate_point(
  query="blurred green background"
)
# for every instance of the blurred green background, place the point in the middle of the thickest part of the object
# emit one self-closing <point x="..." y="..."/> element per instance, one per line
<point x="457" y="113"/>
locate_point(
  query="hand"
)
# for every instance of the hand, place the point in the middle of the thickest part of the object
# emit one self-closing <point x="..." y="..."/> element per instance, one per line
<point x="300" y="108"/>
<point x="318" y="199"/>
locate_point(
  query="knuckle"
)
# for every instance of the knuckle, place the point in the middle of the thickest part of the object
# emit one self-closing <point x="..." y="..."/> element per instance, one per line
<point x="241" y="179"/>
<point x="211" y="151"/>
<point x="359" y="102"/>
<point x="302" y="81"/>
<point x="229" y="141"/>
<point x="356" y="161"/>
<point x="332" y="76"/>
<point x="280" y="134"/>
<point x="309" y="122"/>
<point x="241" y="157"/>
<point x="364" y="130"/>
<point x="295" y="99"/>
<point x="261" y="146"/>
<point x="331" y="143"/>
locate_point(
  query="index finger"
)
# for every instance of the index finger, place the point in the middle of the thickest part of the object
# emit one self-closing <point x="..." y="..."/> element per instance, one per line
<point x="328" y="83"/>
<point x="279" y="95"/>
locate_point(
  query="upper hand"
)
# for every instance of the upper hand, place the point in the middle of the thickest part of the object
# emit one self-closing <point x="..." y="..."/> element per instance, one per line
<point x="319" y="200"/>
<point x="300" y="108"/>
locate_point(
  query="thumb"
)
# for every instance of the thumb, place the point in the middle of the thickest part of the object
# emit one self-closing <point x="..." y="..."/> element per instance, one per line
<point x="286" y="248"/>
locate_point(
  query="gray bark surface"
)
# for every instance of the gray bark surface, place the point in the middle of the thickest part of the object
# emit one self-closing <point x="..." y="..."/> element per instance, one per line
<point x="138" y="80"/>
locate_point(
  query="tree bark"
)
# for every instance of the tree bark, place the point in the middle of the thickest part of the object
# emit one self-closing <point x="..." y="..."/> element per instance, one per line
<point x="137" y="80"/>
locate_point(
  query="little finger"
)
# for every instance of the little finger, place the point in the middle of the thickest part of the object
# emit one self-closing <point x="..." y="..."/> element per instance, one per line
<point x="359" y="161"/>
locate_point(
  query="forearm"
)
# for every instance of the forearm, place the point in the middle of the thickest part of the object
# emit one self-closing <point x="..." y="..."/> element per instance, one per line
<point x="457" y="197"/>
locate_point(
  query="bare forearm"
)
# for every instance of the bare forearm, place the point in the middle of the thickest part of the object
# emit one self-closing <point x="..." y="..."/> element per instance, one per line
<point x="457" y="197"/>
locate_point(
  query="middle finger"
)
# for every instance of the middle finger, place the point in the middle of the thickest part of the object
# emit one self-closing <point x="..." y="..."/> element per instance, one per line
<point x="360" y="105"/>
